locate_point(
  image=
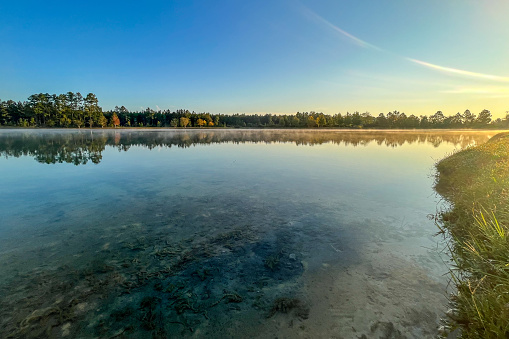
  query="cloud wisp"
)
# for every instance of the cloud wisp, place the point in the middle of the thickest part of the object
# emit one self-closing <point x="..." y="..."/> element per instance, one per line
<point x="459" y="71"/>
<point x="365" y="44"/>
<point x="359" y="42"/>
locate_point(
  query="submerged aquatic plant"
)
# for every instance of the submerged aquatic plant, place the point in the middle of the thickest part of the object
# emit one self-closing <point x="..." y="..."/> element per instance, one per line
<point x="272" y="261"/>
<point x="285" y="305"/>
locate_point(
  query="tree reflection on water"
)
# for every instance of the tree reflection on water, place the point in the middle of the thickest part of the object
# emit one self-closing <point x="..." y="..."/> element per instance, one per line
<point x="79" y="147"/>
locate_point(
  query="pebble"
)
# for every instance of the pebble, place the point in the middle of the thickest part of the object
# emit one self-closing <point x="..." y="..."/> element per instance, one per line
<point x="292" y="256"/>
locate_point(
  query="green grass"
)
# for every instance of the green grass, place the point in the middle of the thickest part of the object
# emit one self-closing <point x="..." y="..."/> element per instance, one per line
<point x="476" y="182"/>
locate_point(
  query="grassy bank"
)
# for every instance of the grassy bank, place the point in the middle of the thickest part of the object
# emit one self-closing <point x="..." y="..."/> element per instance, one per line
<point x="476" y="182"/>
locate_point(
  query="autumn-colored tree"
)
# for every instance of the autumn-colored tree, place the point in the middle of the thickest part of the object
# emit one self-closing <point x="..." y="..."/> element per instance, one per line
<point x="184" y="122"/>
<point x="103" y="121"/>
<point x="115" y="120"/>
<point x="200" y="122"/>
<point x="211" y="124"/>
<point x="320" y="120"/>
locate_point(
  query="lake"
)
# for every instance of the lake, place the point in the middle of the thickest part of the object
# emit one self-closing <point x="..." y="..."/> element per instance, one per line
<point x="222" y="233"/>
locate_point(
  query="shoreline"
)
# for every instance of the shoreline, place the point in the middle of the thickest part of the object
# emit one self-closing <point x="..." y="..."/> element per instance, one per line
<point x="476" y="183"/>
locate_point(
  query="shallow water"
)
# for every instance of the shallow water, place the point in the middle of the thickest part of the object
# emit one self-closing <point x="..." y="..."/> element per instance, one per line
<point x="221" y="233"/>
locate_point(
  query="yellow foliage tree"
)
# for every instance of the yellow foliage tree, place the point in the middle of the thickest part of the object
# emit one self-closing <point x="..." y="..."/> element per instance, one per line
<point x="184" y="122"/>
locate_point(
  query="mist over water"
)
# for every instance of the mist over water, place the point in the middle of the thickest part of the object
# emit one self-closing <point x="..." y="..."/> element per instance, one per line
<point x="221" y="233"/>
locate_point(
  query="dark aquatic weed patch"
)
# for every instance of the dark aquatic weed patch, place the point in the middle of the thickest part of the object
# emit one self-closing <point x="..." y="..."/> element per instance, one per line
<point x="272" y="261"/>
<point x="476" y="182"/>
<point x="150" y="285"/>
<point x="287" y="305"/>
<point x="185" y="275"/>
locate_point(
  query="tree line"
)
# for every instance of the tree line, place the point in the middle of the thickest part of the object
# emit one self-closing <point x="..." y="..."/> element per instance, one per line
<point x="74" y="110"/>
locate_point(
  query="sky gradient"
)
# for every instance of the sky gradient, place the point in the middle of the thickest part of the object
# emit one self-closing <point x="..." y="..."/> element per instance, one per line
<point x="282" y="56"/>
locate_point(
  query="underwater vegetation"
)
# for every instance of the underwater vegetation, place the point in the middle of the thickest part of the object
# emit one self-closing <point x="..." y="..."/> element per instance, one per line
<point x="149" y="284"/>
<point x="272" y="261"/>
<point x="286" y="305"/>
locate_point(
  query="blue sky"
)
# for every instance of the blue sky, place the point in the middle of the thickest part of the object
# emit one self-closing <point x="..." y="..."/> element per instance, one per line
<point x="262" y="57"/>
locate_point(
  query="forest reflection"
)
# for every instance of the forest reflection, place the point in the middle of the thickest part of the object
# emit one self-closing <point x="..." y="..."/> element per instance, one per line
<point x="82" y="146"/>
